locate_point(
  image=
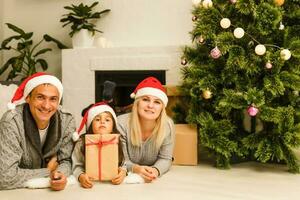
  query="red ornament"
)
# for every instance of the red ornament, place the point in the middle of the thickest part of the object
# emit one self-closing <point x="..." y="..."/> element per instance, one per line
<point x="215" y="53"/>
<point x="252" y="111"/>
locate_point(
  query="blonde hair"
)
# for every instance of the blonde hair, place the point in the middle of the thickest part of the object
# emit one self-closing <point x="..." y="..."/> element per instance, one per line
<point x="158" y="132"/>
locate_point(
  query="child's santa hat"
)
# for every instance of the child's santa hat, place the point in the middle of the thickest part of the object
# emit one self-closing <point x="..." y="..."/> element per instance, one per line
<point x="30" y="83"/>
<point x="150" y="86"/>
<point x="90" y="114"/>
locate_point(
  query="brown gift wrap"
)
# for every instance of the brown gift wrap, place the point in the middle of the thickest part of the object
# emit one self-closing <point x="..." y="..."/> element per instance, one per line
<point x="185" y="150"/>
<point x="101" y="156"/>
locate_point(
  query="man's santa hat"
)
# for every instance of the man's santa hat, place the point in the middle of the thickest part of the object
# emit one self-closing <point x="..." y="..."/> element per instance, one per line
<point x="30" y="83"/>
<point x="90" y="114"/>
<point x="150" y="86"/>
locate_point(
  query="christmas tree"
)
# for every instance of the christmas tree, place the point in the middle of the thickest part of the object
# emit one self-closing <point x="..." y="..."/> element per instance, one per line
<point x="241" y="77"/>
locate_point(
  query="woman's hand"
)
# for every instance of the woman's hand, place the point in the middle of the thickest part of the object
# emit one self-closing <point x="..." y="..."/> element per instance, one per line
<point x="85" y="181"/>
<point x="147" y="173"/>
<point x="120" y="177"/>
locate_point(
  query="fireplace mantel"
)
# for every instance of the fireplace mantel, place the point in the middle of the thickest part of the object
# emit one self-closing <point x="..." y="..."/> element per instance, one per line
<point x="79" y="66"/>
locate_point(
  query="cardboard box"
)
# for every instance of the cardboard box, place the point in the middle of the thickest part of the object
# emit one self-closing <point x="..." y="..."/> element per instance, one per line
<point x="186" y="149"/>
<point x="101" y="156"/>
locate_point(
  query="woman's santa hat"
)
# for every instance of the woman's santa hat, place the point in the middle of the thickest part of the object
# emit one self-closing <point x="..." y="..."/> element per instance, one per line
<point x="150" y="86"/>
<point x="90" y="114"/>
<point x="30" y="83"/>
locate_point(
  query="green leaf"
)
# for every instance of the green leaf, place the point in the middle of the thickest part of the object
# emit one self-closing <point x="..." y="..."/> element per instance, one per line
<point x="22" y="45"/>
<point x="59" y="44"/>
<point x="15" y="28"/>
<point x="6" y="65"/>
<point x="8" y="40"/>
<point x="43" y="63"/>
<point x="42" y="51"/>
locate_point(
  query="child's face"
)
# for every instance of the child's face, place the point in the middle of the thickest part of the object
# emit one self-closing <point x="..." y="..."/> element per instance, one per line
<point x="103" y="123"/>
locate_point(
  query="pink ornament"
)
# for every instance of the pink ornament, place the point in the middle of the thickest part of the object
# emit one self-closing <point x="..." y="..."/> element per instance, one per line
<point x="233" y="1"/>
<point x="252" y="111"/>
<point x="269" y="65"/>
<point x="215" y="53"/>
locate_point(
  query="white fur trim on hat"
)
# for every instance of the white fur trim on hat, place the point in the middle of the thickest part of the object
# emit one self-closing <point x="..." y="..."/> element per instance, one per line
<point x="11" y="106"/>
<point x="154" y="92"/>
<point x="94" y="111"/>
<point x="75" y="136"/>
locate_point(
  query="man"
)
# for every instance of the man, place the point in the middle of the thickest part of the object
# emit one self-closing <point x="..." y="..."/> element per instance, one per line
<point x="36" y="136"/>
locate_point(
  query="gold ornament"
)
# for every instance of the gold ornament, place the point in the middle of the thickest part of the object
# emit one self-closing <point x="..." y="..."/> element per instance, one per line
<point x="238" y="33"/>
<point x="183" y="61"/>
<point x="207" y="3"/>
<point x="201" y="40"/>
<point x="285" y="54"/>
<point x="260" y="49"/>
<point x="194" y="18"/>
<point x="279" y="2"/>
<point x="225" y="23"/>
<point x="207" y="94"/>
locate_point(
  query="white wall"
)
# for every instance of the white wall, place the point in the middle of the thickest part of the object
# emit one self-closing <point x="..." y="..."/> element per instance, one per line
<point x="130" y="23"/>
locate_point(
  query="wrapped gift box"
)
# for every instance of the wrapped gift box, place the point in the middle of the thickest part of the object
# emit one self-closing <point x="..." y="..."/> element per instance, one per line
<point x="185" y="151"/>
<point x="101" y="156"/>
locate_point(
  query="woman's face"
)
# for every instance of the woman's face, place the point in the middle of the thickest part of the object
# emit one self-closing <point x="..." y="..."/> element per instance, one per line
<point x="103" y="123"/>
<point x="149" y="107"/>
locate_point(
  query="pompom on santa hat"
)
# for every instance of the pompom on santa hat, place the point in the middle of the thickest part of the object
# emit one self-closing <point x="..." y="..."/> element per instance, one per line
<point x="30" y="83"/>
<point x="150" y="86"/>
<point x="90" y="114"/>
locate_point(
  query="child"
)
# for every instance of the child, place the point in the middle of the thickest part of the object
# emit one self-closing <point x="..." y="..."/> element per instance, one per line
<point x="99" y="119"/>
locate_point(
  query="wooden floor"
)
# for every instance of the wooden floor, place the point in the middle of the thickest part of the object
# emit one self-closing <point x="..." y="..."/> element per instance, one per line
<point x="245" y="181"/>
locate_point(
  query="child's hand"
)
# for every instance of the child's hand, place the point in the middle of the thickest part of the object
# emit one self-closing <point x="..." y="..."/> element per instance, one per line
<point x="85" y="181"/>
<point x="52" y="164"/>
<point x="120" y="177"/>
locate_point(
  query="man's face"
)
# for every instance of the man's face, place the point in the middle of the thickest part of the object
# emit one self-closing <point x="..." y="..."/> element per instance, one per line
<point x="43" y="103"/>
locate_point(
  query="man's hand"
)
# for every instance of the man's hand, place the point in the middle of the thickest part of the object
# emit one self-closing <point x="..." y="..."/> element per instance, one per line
<point x="85" y="181"/>
<point x="146" y="172"/>
<point x="52" y="164"/>
<point x="120" y="177"/>
<point x="58" y="181"/>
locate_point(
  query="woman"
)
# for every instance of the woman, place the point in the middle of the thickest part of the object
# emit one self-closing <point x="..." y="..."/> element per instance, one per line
<point x="147" y="133"/>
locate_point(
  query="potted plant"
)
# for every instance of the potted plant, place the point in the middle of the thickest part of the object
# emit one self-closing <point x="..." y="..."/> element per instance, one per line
<point x="27" y="60"/>
<point x="81" y="18"/>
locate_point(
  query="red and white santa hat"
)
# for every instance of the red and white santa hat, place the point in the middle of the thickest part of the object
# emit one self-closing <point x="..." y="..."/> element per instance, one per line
<point x="29" y="84"/>
<point x="90" y="114"/>
<point x="150" y="86"/>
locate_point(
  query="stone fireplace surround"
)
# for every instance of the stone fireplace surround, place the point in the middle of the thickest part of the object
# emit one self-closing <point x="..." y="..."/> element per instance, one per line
<point x="79" y="66"/>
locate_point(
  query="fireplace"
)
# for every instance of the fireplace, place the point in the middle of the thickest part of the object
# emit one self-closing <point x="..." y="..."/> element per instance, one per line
<point x="84" y="71"/>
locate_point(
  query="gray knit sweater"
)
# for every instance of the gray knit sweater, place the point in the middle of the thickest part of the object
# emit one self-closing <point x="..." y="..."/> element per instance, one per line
<point x="146" y="154"/>
<point x="20" y="160"/>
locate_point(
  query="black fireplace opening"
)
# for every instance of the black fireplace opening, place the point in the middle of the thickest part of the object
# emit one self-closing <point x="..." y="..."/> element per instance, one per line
<point x="126" y="81"/>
